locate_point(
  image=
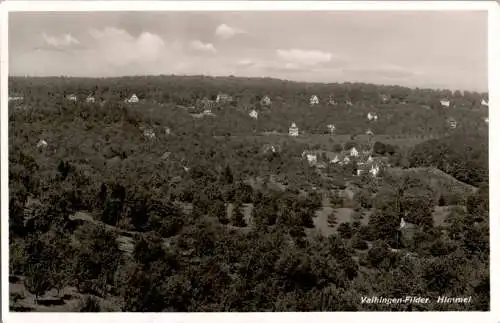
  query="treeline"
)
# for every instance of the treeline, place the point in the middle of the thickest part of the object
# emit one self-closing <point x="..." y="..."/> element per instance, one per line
<point x="464" y="156"/>
<point x="421" y="113"/>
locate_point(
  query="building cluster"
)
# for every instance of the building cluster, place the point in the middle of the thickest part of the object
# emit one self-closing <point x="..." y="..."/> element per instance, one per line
<point x="364" y="161"/>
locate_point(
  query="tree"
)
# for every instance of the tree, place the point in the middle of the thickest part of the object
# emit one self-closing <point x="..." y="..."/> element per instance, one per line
<point x="332" y="218"/>
<point x="345" y="230"/>
<point x="37" y="280"/>
<point x="237" y="217"/>
<point x="89" y="304"/>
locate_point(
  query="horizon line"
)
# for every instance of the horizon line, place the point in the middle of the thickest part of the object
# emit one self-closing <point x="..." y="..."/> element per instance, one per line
<point x="254" y="77"/>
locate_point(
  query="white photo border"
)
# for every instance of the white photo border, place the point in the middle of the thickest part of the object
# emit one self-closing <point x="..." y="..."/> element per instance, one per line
<point x="493" y="9"/>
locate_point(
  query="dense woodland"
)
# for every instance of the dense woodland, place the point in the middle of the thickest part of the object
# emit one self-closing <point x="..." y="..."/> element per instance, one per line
<point x="206" y="217"/>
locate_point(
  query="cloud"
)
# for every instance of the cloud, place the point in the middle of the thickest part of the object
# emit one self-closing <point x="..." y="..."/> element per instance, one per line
<point x="63" y="41"/>
<point x="225" y="32"/>
<point x="296" y="58"/>
<point x="200" y="46"/>
<point x="119" y="48"/>
<point x="245" y="63"/>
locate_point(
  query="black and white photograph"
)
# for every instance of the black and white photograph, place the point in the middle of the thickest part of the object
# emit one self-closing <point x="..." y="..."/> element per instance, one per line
<point x="248" y="161"/>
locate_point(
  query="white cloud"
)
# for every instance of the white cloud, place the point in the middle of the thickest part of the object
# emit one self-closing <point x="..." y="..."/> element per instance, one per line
<point x="200" y="46"/>
<point x="225" y="32"/>
<point x="119" y="48"/>
<point x="245" y="63"/>
<point x="62" y="41"/>
<point x="299" y="57"/>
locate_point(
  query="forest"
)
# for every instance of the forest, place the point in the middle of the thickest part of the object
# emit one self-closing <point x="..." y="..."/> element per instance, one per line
<point x="148" y="207"/>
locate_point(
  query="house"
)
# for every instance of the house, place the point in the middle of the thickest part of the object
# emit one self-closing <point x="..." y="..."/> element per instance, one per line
<point x="445" y="103"/>
<point x="166" y="155"/>
<point x="486" y="120"/>
<point x="41" y="144"/>
<point x="452" y="123"/>
<point x="223" y="97"/>
<point x="293" y="130"/>
<point x="71" y="97"/>
<point x="331" y="128"/>
<point x="207" y="111"/>
<point x="207" y="104"/>
<point x="370" y="159"/>
<point x="375" y="170"/>
<point x="346" y="160"/>
<point x="265" y="100"/>
<point x="484" y="102"/>
<point x="332" y="101"/>
<point x="314" y="100"/>
<point x="90" y="99"/>
<point x="270" y="148"/>
<point x="385" y="98"/>
<point x="348" y="102"/>
<point x="167" y="131"/>
<point x="132" y="99"/>
<point x="312" y="158"/>
<point x="254" y="114"/>
<point x="369" y="132"/>
<point x="16" y="98"/>
<point x="372" y="116"/>
<point x="149" y="133"/>
<point x="353" y="152"/>
<point x="335" y="160"/>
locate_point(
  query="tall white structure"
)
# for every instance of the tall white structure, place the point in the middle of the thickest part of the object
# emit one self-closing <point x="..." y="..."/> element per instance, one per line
<point x="293" y="130"/>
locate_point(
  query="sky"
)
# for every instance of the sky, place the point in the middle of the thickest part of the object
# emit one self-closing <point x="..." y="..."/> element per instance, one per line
<point x="432" y="49"/>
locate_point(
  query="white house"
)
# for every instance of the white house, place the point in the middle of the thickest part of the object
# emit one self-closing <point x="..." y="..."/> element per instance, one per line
<point x="254" y="114"/>
<point x="223" y="97"/>
<point x="335" y="160"/>
<point x="72" y="97"/>
<point x="353" y="152"/>
<point x="312" y="159"/>
<point x="293" y="130"/>
<point x="16" y="98"/>
<point x="445" y="103"/>
<point x="369" y="132"/>
<point x="331" y="128"/>
<point x="384" y="97"/>
<point x="265" y="100"/>
<point x="375" y="170"/>
<point x="90" y="99"/>
<point x="484" y="102"/>
<point x="132" y="99"/>
<point x="149" y="133"/>
<point x="332" y="101"/>
<point x="372" y="116"/>
<point x="370" y="159"/>
<point x="314" y="100"/>
<point x="452" y="123"/>
<point x="168" y="131"/>
<point x="348" y="102"/>
<point x="207" y="111"/>
<point x="41" y="144"/>
<point x="347" y="159"/>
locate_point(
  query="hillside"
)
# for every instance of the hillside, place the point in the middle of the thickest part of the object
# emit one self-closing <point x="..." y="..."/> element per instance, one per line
<point x="408" y="112"/>
<point x="148" y="209"/>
